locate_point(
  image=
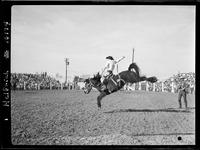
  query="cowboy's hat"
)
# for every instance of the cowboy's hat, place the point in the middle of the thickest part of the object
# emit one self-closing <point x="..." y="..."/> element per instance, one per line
<point x="109" y="57"/>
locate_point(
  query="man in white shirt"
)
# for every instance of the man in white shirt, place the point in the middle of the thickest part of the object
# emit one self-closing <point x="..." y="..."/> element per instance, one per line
<point x="109" y="68"/>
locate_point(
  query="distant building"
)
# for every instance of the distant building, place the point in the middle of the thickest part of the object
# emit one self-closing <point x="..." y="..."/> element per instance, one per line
<point x="81" y="85"/>
<point x="85" y="76"/>
<point x="81" y="79"/>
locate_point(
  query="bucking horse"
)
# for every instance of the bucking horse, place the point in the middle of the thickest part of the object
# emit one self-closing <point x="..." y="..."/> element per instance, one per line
<point x="115" y="82"/>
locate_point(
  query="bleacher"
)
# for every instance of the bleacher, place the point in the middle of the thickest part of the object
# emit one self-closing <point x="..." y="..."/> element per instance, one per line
<point x="25" y="81"/>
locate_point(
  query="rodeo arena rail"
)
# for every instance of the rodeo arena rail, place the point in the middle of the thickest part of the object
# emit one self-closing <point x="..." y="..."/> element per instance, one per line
<point x="23" y="81"/>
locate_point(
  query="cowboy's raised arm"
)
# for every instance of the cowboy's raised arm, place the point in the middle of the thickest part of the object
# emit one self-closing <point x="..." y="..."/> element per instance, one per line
<point x="120" y="59"/>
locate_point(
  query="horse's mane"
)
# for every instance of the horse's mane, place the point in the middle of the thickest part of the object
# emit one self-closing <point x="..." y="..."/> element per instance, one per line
<point x="86" y="80"/>
<point x="97" y="76"/>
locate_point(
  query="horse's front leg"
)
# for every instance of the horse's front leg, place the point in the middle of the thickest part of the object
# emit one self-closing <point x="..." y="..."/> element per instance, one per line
<point x="99" y="98"/>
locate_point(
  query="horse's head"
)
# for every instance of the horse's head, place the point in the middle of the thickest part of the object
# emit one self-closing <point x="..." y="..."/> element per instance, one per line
<point x="88" y="86"/>
<point x="92" y="82"/>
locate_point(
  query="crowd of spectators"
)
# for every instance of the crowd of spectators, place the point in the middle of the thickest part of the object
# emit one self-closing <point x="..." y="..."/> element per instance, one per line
<point x="167" y="85"/>
<point x="33" y="81"/>
<point x="43" y="81"/>
<point x="171" y="84"/>
<point x="175" y="80"/>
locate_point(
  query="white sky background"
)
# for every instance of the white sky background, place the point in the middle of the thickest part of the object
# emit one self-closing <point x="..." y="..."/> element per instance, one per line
<point x="43" y="36"/>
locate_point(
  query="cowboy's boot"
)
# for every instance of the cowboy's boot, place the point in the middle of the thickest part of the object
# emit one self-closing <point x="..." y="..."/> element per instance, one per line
<point x="104" y="85"/>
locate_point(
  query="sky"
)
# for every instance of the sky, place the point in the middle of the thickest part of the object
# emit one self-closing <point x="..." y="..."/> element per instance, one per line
<point x="42" y="36"/>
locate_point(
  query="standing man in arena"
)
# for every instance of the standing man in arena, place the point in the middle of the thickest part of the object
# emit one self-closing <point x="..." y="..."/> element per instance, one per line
<point x="191" y="88"/>
<point x="182" y="92"/>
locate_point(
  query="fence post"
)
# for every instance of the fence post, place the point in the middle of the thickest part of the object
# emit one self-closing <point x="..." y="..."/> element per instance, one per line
<point x="172" y="85"/>
<point x="140" y="86"/>
<point x="50" y="86"/>
<point x="38" y="86"/>
<point x="162" y="86"/>
<point x="24" y="85"/>
<point x="147" y="86"/>
<point x="134" y="86"/>
<point x="154" y="87"/>
<point x="61" y="86"/>
<point x="130" y="87"/>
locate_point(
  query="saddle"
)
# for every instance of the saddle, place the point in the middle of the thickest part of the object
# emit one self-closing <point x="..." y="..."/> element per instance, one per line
<point x="110" y="79"/>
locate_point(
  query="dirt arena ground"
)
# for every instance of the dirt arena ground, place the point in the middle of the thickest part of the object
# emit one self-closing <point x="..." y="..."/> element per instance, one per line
<point x="61" y="117"/>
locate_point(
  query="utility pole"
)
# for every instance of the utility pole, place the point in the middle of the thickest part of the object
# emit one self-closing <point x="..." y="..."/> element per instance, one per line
<point x="132" y="62"/>
<point x="133" y="56"/>
<point x="67" y="63"/>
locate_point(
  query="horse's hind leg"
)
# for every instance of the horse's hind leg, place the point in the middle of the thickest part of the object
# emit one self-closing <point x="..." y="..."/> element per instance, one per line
<point x="99" y="98"/>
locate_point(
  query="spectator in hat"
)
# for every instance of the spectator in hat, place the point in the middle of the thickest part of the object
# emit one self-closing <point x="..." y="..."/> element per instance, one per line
<point x="182" y="92"/>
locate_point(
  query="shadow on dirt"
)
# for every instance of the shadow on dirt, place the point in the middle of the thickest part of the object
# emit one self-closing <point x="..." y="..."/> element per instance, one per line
<point x="177" y="110"/>
<point x="164" y="134"/>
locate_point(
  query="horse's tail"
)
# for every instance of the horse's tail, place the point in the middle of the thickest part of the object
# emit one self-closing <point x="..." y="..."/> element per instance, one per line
<point x="141" y="78"/>
<point x="150" y="79"/>
<point x="135" y="67"/>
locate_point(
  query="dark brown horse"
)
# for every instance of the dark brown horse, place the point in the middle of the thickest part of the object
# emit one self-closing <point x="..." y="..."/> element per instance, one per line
<point x="116" y="82"/>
